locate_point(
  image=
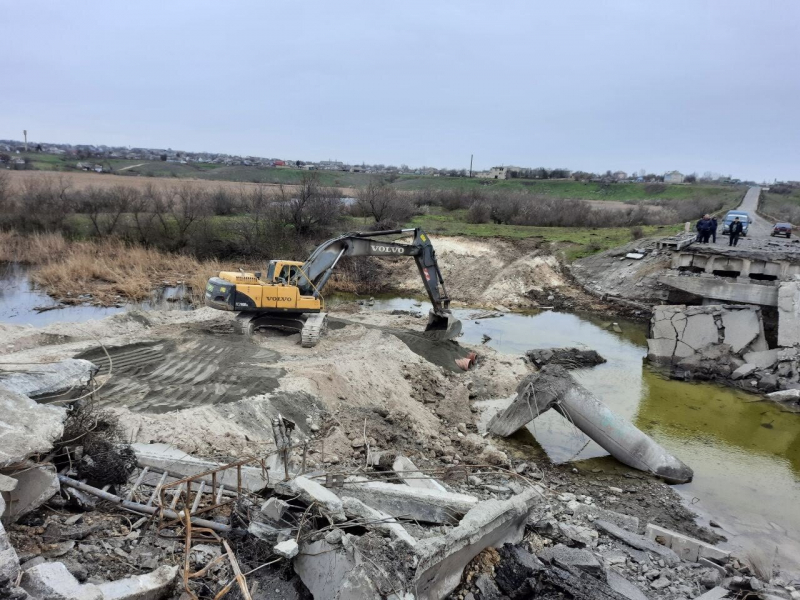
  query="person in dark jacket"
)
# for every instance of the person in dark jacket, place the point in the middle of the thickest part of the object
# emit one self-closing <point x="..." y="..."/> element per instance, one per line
<point x="703" y="229"/>
<point x="735" y="232"/>
<point x="714" y="230"/>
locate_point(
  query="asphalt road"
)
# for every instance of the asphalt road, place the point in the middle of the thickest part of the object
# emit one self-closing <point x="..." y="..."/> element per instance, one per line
<point x="759" y="230"/>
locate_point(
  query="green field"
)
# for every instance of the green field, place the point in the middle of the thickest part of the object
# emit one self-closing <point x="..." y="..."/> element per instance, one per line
<point x="624" y="192"/>
<point x="781" y="207"/>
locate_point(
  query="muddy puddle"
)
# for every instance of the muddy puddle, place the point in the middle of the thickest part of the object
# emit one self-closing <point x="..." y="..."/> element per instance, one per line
<point x="22" y="303"/>
<point x="745" y="452"/>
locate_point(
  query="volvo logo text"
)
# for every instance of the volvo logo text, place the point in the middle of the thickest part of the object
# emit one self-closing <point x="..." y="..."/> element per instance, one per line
<point x="387" y="249"/>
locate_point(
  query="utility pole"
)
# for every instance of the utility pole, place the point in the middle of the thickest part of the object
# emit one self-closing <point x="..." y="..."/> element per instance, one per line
<point x="25" y="133"/>
<point x="470" y="165"/>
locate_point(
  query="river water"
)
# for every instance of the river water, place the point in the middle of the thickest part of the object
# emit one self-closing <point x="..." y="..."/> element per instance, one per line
<point x="745" y="452"/>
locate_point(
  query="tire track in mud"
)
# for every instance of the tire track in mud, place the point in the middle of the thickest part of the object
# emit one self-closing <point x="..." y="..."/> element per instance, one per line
<point x="194" y="370"/>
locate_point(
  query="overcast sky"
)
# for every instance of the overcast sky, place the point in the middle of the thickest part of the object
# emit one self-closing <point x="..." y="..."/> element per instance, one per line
<point x="593" y="85"/>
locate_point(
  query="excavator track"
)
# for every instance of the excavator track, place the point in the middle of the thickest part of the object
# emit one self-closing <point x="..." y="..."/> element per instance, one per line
<point x="316" y="324"/>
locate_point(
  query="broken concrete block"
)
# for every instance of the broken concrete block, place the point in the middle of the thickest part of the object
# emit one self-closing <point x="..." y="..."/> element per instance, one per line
<point x="150" y="586"/>
<point x="585" y="536"/>
<point x="48" y="379"/>
<point x="375" y="519"/>
<point x="425" y="505"/>
<point x="743" y="371"/>
<point x="763" y="359"/>
<point x="789" y="313"/>
<point x="274" y="509"/>
<point x="28" y="427"/>
<point x="566" y="557"/>
<point x="415" y="478"/>
<point x="52" y="581"/>
<point x="687" y="548"/>
<point x="622" y="586"/>
<point x="35" y="486"/>
<point x="311" y="491"/>
<point x="718" y="593"/>
<point x="170" y="458"/>
<point x="592" y="512"/>
<point x="9" y="562"/>
<point x="637" y="541"/>
<point x="742" y="328"/>
<point x="324" y="568"/>
<point x="785" y="396"/>
<point x="287" y="549"/>
<point x="268" y="533"/>
<point x="490" y="523"/>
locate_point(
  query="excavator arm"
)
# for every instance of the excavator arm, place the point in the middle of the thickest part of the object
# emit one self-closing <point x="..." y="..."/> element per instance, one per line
<point x="320" y="266"/>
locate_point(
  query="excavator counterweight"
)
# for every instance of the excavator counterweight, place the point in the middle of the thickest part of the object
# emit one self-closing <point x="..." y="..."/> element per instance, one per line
<point x="290" y="295"/>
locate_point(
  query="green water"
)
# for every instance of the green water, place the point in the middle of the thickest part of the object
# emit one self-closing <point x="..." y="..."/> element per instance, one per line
<point x="745" y="452"/>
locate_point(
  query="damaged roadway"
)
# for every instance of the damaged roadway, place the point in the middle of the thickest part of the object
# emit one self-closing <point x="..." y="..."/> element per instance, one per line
<point x="392" y="492"/>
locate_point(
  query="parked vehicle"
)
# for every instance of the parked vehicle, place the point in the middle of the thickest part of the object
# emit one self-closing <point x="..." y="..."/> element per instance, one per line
<point x="782" y="229"/>
<point x="744" y="217"/>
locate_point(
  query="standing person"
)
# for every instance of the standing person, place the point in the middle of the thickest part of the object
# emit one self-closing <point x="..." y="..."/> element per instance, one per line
<point x="735" y="232"/>
<point x="714" y="229"/>
<point x="703" y="229"/>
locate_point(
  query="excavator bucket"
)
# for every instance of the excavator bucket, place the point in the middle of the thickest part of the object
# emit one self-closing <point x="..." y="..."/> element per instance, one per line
<point x="442" y="326"/>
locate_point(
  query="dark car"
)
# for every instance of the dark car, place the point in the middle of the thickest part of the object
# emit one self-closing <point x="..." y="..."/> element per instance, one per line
<point x="782" y="229"/>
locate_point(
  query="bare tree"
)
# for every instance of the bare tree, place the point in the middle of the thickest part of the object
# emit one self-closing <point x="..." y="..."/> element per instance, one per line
<point x="105" y="207"/>
<point x="381" y="202"/>
<point x="310" y="206"/>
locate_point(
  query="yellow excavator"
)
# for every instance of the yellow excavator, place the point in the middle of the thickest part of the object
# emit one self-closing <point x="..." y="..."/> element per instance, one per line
<point x="290" y="296"/>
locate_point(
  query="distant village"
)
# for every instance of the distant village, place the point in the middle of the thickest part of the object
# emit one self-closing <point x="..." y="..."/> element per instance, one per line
<point x="88" y="155"/>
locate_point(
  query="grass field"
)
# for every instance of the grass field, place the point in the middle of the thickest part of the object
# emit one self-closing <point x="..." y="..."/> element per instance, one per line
<point x="624" y="192"/>
<point x="782" y="207"/>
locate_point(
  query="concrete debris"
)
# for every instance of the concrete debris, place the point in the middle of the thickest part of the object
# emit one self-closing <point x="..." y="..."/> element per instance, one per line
<point x="48" y="379"/>
<point x="762" y="359"/>
<point x="178" y="462"/>
<point x="569" y="358"/>
<point x="7" y="484"/>
<point x="35" y="486"/>
<point x="312" y="492"/>
<point x="637" y="541"/>
<point x="553" y="387"/>
<point x="785" y="396"/>
<point x="514" y="573"/>
<point x="28" y="427"/>
<point x="287" y="549"/>
<point x="566" y="557"/>
<point x="688" y="549"/>
<point x="592" y="513"/>
<point x="635" y="255"/>
<point x="9" y="562"/>
<point x="743" y="371"/>
<point x="406" y="471"/>
<point x="489" y="524"/>
<point x="52" y="581"/>
<point x="375" y="519"/>
<point x="150" y="586"/>
<point x="424" y="505"/>
<point x="274" y="509"/>
<point x="623" y="587"/>
<point x="718" y="593"/>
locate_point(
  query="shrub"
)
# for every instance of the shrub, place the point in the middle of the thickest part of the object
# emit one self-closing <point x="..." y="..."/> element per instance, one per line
<point x="637" y="232"/>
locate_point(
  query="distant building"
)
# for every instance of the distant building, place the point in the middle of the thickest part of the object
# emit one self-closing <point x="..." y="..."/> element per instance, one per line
<point x="495" y="173"/>
<point x="674" y="177"/>
<point x="620" y="175"/>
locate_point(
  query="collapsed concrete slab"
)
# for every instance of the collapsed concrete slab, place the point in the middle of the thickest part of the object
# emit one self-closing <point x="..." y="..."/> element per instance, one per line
<point x="424" y="505"/>
<point x="592" y="512"/>
<point x="52" y="580"/>
<point x="679" y="331"/>
<point x="36" y="484"/>
<point x="762" y="359"/>
<point x="554" y="387"/>
<point x="409" y="474"/>
<point x="48" y="379"/>
<point x="177" y="462"/>
<point x="150" y="586"/>
<point x="325" y="568"/>
<point x="569" y="358"/>
<point x="491" y="523"/>
<point x="26" y="427"/>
